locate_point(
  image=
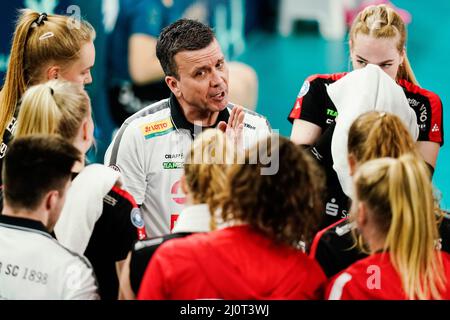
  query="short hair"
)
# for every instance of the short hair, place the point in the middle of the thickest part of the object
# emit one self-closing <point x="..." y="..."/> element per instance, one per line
<point x="35" y="165"/>
<point x="182" y="35"/>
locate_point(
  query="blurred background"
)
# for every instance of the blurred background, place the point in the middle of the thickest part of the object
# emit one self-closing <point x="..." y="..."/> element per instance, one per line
<point x="284" y="41"/>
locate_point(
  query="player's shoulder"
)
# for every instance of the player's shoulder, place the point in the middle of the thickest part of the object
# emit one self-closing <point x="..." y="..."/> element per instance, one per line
<point x="411" y="88"/>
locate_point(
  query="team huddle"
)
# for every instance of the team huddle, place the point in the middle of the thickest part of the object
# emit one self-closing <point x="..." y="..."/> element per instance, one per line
<point x="198" y="198"/>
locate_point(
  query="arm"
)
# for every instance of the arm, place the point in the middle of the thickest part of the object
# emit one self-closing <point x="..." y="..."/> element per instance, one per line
<point x="429" y="151"/>
<point x="144" y="66"/>
<point x="304" y="132"/>
<point x="125" y="291"/>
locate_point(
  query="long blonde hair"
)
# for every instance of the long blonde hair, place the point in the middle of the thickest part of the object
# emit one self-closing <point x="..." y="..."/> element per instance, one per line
<point x="206" y="166"/>
<point x="399" y="196"/>
<point x="33" y="48"/>
<point x="382" y="21"/>
<point x="55" y="107"/>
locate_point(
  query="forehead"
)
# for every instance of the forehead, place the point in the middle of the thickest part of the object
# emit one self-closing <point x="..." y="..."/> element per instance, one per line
<point x="189" y="60"/>
<point x="87" y="56"/>
<point x="376" y="48"/>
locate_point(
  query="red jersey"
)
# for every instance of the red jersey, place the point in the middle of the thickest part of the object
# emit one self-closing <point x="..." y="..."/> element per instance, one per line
<point x="374" y="278"/>
<point x="314" y="105"/>
<point x="235" y="263"/>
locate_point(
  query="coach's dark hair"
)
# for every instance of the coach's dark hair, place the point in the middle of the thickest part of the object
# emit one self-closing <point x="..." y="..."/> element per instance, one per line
<point x="35" y="165"/>
<point x="286" y="206"/>
<point x="182" y="35"/>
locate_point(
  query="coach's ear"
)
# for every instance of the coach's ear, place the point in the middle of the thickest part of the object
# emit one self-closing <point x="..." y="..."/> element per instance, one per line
<point x="174" y="85"/>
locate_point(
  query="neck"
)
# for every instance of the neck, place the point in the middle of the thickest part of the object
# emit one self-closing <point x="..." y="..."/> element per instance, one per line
<point x="37" y="215"/>
<point x="203" y="118"/>
<point x="375" y="241"/>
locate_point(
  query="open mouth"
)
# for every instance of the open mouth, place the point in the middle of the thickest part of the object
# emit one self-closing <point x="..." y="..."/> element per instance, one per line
<point x="219" y="96"/>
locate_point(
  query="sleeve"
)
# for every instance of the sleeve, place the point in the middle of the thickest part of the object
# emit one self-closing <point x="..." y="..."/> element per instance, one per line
<point x="155" y="282"/>
<point x="338" y="287"/>
<point x="310" y="102"/>
<point x="79" y="281"/>
<point x="437" y="123"/>
<point x="315" y="282"/>
<point x="127" y="155"/>
<point x="127" y="223"/>
<point x="147" y="18"/>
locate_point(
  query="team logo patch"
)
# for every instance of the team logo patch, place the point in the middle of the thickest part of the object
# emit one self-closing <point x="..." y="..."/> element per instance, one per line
<point x="115" y="167"/>
<point x="136" y="218"/>
<point x="304" y="90"/>
<point x="157" y="128"/>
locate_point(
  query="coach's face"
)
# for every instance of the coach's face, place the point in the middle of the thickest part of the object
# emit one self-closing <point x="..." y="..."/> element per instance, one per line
<point x="202" y="79"/>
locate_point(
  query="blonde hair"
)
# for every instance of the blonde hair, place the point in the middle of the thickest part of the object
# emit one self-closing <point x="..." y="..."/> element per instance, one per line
<point x="205" y="167"/>
<point x="379" y="134"/>
<point x="399" y="197"/>
<point x="56" y="107"/>
<point x="382" y="21"/>
<point x="33" y="47"/>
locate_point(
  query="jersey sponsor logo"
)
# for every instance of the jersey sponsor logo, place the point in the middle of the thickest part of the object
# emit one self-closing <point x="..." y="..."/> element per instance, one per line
<point x="157" y="128"/>
<point x="332" y="208"/>
<point x="249" y="126"/>
<point x="174" y="156"/>
<point x="340" y="231"/>
<point x="173" y="165"/>
<point x="423" y="116"/>
<point x="173" y="220"/>
<point x="115" y="167"/>
<point x="304" y="90"/>
<point x="177" y="194"/>
<point x="413" y="102"/>
<point x="436" y="128"/>
<point x="332" y="113"/>
<point x="136" y="218"/>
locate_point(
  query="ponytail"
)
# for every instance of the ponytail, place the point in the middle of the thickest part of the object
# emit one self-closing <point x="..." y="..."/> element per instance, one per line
<point x="56" y="107"/>
<point x="399" y="197"/>
<point x="15" y="80"/>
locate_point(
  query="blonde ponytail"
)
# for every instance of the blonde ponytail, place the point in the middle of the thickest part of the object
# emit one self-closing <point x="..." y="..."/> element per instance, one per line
<point x="399" y="197"/>
<point x="382" y="21"/>
<point x="56" y="107"/>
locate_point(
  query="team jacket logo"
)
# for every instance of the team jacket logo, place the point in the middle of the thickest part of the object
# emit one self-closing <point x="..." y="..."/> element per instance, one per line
<point x="157" y="128"/>
<point x="304" y="90"/>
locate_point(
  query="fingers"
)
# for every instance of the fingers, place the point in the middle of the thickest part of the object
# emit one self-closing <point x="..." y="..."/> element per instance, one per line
<point x="222" y="126"/>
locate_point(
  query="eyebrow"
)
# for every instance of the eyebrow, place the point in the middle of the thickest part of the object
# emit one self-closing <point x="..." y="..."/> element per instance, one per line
<point x="365" y="60"/>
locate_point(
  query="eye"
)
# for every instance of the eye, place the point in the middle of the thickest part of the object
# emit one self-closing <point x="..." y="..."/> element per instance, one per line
<point x="220" y="65"/>
<point x="200" y="73"/>
<point x="386" y="65"/>
<point x="363" y="63"/>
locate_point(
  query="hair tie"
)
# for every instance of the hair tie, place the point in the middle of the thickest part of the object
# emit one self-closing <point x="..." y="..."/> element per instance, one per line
<point x="52" y="92"/>
<point x="40" y="20"/>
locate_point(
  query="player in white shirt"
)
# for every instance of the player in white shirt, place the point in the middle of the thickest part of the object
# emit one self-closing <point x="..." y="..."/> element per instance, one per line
<point x="33" y="265"/>
<point x="150" y="147"/>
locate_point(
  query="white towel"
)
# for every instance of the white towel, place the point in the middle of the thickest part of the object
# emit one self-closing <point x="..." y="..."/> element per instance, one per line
<point x="360" y="91"/>
<point x="84" y="206"/>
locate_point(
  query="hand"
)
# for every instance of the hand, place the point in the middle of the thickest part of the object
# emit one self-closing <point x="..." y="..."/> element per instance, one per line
<point x="236" y="120"/>
<point x="234" y="128"/>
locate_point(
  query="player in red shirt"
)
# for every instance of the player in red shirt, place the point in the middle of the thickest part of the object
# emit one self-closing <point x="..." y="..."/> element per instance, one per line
<point x="394" y="211"/>
<point x="256" y="254"/>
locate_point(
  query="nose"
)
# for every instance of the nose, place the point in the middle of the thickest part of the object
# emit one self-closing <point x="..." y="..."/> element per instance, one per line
<point x="216" y="79"/>
<point x="88" y="79"/>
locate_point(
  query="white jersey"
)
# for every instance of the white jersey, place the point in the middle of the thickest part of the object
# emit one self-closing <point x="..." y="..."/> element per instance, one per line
<point x="149" y="150"/>
<point x="33" y="265"/>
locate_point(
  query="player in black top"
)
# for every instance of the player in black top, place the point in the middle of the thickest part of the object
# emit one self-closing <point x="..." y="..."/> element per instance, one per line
<point x="376" y="40"/>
